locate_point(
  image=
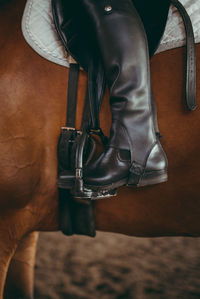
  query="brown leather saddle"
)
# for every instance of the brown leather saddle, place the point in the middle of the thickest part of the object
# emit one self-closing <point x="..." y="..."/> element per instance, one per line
<point x="75" y="148"/>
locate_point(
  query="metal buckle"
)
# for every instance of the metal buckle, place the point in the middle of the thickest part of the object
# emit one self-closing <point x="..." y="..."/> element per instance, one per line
<point x="95" y="131"/>
<point x="72" y="129"/>
<point x="68" y="128"/>
<point x="99" y="133"/>
<point x="78" y="173"/>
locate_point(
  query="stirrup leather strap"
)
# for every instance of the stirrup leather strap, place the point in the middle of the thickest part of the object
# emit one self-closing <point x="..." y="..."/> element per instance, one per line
<point x="190" y="84"/>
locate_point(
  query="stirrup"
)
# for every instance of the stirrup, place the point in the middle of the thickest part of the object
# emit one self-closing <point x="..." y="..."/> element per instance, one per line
<point x="74" y="182"/>
<point x="72" y="157"/>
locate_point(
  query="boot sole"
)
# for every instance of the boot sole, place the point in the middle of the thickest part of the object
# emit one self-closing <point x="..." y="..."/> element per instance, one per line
<point x="147" y="180"/>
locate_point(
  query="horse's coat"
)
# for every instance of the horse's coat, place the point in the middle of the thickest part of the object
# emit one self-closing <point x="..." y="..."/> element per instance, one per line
<point x="33" y="102"/>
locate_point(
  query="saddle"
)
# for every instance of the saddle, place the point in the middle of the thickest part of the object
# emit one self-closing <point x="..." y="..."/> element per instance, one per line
<point x="76" y="147"/>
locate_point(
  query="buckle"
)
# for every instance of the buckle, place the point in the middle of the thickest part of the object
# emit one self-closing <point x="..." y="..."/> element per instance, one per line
<point x="78" y="173"/>
<point x="71" y="129"/>
<point x="99" y="133"/>
<point x="68" y="128"/>
<point x="95" y="131"/>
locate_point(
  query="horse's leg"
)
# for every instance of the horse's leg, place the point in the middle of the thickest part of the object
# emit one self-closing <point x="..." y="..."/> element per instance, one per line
<point x="20" y="277"/>
<point x="15" y="224"/>
<point x="8" y="244"/>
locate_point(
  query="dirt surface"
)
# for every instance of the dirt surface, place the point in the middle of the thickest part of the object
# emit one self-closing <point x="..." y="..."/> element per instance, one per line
<point x="114" y="266"/>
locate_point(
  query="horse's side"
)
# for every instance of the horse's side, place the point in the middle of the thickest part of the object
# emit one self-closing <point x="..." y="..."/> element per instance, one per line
<point x="33" y="103"/>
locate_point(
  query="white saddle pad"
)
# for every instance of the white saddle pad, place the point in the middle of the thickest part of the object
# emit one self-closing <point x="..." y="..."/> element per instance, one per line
<point x="39" y="32"/>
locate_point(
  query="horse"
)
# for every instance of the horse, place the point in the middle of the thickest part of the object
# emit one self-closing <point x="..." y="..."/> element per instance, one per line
<point x="33" y="103"/>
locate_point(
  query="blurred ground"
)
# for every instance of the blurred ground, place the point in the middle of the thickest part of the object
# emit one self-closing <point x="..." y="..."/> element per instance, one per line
<point x="114" y="266"/>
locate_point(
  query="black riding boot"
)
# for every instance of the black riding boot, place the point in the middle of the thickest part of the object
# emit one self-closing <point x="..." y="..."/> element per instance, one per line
<point x="134" y="155"/>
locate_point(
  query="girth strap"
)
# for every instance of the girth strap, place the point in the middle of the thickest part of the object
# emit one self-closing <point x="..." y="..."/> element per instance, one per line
<point x="190" y="85"/>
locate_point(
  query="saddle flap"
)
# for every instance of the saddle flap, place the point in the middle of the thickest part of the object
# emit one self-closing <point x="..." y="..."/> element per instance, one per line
<point x="154" y="15"/>
<point x="71" y="25"/>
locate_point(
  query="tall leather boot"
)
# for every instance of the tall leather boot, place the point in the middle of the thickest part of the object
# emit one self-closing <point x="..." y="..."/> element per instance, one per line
<point x="134" y="155"/>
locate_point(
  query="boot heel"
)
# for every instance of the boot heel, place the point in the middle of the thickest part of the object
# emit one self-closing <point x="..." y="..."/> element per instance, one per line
<point x="153" y="178"/>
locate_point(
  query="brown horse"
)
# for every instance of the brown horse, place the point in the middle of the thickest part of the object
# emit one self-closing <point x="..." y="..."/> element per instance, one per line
<point x="33" y="103"/>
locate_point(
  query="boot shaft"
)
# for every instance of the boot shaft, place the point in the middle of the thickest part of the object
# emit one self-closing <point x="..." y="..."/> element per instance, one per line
<point x="123" y="46"/>
<point x="74" y="28"/>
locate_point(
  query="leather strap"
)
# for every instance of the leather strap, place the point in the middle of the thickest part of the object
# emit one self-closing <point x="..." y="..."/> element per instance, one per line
<point x="75" y="217"/>
<point x="190" y="85"/>
<point x="95" y="91"/>
<point x="72" y="95"/>
<point x="93" y="99"/>
<point x="96" y="88"/>
<point x="92" y="95"/>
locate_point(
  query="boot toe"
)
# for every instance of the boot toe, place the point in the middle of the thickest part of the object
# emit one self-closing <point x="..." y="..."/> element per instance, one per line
<point x="107" y="169"/>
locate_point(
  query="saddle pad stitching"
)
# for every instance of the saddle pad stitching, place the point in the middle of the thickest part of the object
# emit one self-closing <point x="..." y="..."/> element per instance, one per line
<point x="62" y="57"/>
<point x="32" y="37"/>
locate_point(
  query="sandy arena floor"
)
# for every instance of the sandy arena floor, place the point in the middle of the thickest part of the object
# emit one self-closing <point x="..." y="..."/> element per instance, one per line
<point x="117" y="267"/>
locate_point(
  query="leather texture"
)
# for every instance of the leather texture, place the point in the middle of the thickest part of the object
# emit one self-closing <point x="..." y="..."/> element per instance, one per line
<point x="39" y="31"/>
<point x="75" y="37"/>
<point x="75" y="217"/>
<point x="190" y="86"/>
<point x="70" y="15"/>
<point x="123" y="46"/>
<point x="154" y="17"/>
<point x="115" y="37"/>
